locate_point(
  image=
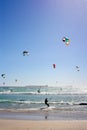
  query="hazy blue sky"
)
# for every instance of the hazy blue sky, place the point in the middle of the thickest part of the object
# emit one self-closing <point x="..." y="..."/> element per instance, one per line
<point x="38" y="26"/>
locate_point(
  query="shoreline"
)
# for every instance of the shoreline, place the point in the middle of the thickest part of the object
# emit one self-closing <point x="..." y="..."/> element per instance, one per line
<point x="43" y="115"/>
<point x="43" y="120"/>
<point x="42" y="125"/>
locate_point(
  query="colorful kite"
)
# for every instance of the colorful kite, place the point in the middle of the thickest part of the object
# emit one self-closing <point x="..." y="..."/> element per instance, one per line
<point x="54" y="66"/>
<point x="66" y="41"/>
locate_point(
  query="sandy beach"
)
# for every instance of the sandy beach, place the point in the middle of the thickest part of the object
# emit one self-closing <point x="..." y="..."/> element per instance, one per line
<point x="42" y="125"/>
<point x="43" y="120"/>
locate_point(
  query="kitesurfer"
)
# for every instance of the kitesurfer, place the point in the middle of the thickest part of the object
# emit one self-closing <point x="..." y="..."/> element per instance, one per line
<point x="46" y="102"/>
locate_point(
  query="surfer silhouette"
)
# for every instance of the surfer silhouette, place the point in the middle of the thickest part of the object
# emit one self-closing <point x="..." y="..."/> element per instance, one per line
<point x="46" y="102"/>
<point x="38" y="90"/>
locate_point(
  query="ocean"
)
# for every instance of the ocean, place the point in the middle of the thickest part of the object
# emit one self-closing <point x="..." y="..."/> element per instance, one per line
<point x="27" y="98"/>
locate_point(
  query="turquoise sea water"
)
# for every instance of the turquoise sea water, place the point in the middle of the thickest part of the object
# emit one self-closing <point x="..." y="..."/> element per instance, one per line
<point x="28" y="98"/>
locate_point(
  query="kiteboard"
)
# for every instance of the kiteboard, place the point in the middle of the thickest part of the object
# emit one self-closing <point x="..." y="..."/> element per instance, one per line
<point x="47" y="108"/>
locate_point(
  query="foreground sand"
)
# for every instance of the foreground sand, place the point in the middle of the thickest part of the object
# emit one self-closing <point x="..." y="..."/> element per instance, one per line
<point x="42" y="125"/>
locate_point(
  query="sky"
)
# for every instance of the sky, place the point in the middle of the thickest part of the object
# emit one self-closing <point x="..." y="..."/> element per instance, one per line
<point x="38" y="26"/>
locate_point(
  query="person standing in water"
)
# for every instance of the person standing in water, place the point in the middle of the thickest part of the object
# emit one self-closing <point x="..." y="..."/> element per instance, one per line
<point x="38" y="91"/>
<point x="46" y="102"/>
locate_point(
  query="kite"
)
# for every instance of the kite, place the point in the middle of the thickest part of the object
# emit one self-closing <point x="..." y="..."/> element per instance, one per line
<point x="3" y="75"/>
<point x="66" y="41"/>
<point x="16" y="80"/>
<point x="54" y="66"/>
<point x="3" y="83"/>
<point x="25" y="53"/>
<point x="77" y="68"/>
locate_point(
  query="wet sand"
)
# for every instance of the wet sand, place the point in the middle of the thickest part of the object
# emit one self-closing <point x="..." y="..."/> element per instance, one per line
<point x="43" y="115"/>
<point x="42" y="125"/>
